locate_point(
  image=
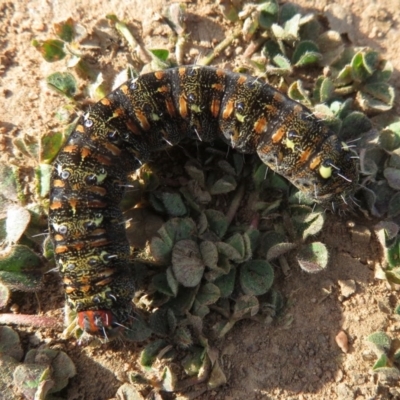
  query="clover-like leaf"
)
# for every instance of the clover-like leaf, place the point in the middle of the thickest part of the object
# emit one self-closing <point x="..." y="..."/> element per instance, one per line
<point x="392" y="176"/>
<point x="149" y="354"/>
<point x="10" y="343"/>
<point x="226" y="283"/>
<point x="217" y="222"/>
<point x="268" y="13"/>
<point x="52" y="50"/>
<point x="63" y="82"/>
<point x="187" y="263"/>
<point x="306" y="53"/>
<point x="65" y="30"/>
<point x="224" y="185"/>
<point x="313" y="257"/>
<point x="246" y="305"/>
<point x="298" y="93"/>
<point x="256" y="277"/>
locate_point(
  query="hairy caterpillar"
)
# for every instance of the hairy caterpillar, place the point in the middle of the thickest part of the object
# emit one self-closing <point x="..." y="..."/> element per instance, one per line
<point x="148" y="114"/>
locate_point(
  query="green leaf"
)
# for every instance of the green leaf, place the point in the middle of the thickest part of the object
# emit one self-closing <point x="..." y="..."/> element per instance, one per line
<point x="149" y="354"/>
<point x="306" y="53"/>
<point x="161" y="54"/>
<point x="195" y="172"/>
<point x="246" y="305"/>
<point x="392" y="176"/>
<point x="52" y="50"/>
<point x="280" y="249"/>
<point x="256" y="277"/>
<point x="217" y="222"/>
<point x="370" y="60"/>
<point x="224" y="185"/>
<point x="382" y="362"/>
<point x="50" y="145"/>
<point x="65" y="30"/>
<point x="380" y="91"/>
<point x="230" y="252"/>
<point x="187" y="263"/>
<point x="19" y="259"/>
<point x="282" y="62"/>
<point x="10" y="343"/>
<point x="359" y="71"/>
<point x="173" y="204"/>
<point x="380" y="342"/>
<point x="209" y="253"/>
<point x="354" y="125"/>
<point x="313" y="257"/>
<point x="394" y="206"/>
<point x="226" y="283"/>
<point x="268" y="13"/>
<point x="208" y="294"/>
<point x="298" y="93"/>
<point x="63" y="83"/>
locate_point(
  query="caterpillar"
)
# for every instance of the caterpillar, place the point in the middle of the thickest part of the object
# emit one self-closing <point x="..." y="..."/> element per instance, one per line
<point x="151" y="113"/>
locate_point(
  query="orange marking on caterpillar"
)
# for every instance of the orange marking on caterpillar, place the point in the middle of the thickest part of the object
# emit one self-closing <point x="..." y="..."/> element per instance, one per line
<point x="278" y="135"/>
<point x="97" y="190"/>
<point x="141" y="116"/>
<point x="260" y="125"/>
<point x="104" y="160"/>
<point x="56" y="205"/>
<point x="116" y="151"/>
<point x="124" y="89"/>
<point x="132" y="127"/>
<point x="80" y="128"/>
<point x="60" y="249"/>
<point x="85" y="152"/>
<point x="58" y="183"/>
<point x="98" y="232"/>
<point x="72" y="148"/>
<point x="228" y="109"/>
<point x="170" y="107"/>
<point x="104" y="282"/>
<point x="305" y="155"/>
<point x="278" y="97"/>
<point x="215" y="107"/>
<point x="106" y="102"/>
<point x="242" y="79"/>
<point x="58" y="238"/>
<point x="159" y="75"/>
<point x="97" y="204"/>
<point x="98" y="242"/>
<point x="315" y="162"/>
<point x="183" y="110"/>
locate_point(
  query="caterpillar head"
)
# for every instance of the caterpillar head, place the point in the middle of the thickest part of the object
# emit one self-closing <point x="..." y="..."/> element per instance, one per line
<point x="101" y="323"/>
<point x="331" y="175"/>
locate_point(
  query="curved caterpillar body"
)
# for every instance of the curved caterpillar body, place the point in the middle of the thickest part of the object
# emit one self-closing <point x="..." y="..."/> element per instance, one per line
<point x="148" y="114"/>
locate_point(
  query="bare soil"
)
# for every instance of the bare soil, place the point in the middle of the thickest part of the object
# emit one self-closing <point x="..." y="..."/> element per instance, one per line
<point x="297" y="356"/>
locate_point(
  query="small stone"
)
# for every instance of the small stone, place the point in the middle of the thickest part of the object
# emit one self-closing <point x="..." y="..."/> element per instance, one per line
<point x="342" y="341"/>
<point x="347" y="287"/>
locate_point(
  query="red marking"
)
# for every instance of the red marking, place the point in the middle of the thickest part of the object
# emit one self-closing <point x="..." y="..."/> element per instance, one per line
<point x="94" y="322"/>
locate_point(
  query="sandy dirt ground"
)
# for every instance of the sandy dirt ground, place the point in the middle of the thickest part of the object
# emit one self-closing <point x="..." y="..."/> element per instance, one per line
<point x="296" y="357"/>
